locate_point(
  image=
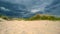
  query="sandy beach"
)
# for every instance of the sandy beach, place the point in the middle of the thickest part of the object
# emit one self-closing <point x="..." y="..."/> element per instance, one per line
<point x="30" y="27"/>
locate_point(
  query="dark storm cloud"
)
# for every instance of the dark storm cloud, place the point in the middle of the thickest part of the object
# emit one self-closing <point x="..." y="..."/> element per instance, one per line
<point x="29" y="7"/>
<point x="32" y="4"/>
<point x="54" y="7"/>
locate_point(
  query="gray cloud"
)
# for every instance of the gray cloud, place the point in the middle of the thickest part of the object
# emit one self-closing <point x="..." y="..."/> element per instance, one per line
<point x="5" y="9"/>
<point x="30" y="3"/>
<point x="35" y="6"/>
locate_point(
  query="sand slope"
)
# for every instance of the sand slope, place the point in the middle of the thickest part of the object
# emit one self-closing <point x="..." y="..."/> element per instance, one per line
<point x="30" y="27"/>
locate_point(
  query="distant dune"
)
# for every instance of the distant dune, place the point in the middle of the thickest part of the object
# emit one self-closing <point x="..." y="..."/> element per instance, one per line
<point x="29" y="27"/>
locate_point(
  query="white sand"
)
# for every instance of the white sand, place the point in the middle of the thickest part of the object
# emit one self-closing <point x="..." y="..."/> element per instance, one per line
<point x="30" y="27"/>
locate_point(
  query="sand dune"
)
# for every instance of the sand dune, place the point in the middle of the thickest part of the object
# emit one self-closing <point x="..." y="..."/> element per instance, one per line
<point x="30" y="27"/>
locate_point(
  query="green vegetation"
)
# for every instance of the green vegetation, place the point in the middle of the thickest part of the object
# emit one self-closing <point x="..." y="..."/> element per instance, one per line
<point x="5" y="17"/>
<point x="43" y="17"/>
<point x="36" y="17"/>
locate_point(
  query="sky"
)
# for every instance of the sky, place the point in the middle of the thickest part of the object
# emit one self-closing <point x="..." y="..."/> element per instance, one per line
<point x="28" y="7"/>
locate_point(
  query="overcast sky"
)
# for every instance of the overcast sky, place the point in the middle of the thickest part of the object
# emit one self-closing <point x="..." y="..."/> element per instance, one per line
<point x="34" y="6"/>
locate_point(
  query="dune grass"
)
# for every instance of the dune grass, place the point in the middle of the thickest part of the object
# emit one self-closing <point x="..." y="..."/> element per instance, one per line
<point x="35" y="17"/>
<point x="42" y="17"/>
<point x="5" y="17"/>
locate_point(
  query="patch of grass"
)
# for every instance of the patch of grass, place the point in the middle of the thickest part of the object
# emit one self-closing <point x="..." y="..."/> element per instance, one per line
<point x="35" y="17"/>
<point x="5" y="17"/>
<point x="43" y="17"/>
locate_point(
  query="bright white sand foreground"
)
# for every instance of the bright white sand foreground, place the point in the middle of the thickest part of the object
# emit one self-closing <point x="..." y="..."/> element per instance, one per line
<point x="30" y="27"/>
